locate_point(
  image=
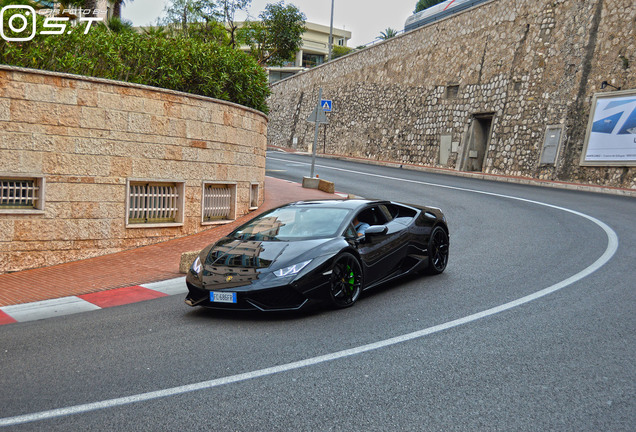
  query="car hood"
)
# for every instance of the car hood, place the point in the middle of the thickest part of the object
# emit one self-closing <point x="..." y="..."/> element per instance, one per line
<point x="236" y="253"/>
<point x="233" y="263"/>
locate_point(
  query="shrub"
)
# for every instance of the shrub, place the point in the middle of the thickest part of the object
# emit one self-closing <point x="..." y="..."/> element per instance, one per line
<point x="176" y="63"/>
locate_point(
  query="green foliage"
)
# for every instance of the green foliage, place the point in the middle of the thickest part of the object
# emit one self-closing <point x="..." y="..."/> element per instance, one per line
<point x="117" y="25"/>
<point x="228" y="11"/>
<point x="211" y="32"/>
<point x="208" y="20"/>
<point x="178" y="63"/>
<point x="339" y="51"/>
<point x="388" y="34"/>
<point x="4" y="3"/>
<point x="184" y="13"/>
<point x="425" y="4"/>
<point x="278" y="36"/>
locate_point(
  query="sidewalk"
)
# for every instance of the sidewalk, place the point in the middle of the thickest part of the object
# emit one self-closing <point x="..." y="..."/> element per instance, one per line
<point x="137" y="266"/>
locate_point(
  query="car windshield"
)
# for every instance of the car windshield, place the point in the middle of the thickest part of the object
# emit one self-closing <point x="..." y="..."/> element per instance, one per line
<point x="293" y="223"/>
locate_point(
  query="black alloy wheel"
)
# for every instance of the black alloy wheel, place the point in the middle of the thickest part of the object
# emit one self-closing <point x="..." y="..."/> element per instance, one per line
<point x="438" y="246"/>
<point x="346" y="281"/>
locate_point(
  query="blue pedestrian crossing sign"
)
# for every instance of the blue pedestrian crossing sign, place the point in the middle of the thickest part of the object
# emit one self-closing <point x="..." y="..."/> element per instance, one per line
<point x="326" y="105"/>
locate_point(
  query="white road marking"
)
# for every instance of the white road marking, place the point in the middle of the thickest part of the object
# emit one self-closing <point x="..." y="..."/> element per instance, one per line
<point x="48" y="308"/>
<point x="170" y="286"/>
<point x="612" y="246"/>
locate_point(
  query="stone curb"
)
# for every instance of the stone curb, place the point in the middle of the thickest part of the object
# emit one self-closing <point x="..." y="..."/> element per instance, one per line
<point x="62" y="306"/>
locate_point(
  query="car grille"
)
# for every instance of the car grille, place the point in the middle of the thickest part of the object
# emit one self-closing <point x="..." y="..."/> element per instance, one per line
<point x="277" y="298"/>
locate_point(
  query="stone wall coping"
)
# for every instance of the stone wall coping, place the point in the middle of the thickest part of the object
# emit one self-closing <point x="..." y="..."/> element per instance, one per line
<point x="105" y="81"/>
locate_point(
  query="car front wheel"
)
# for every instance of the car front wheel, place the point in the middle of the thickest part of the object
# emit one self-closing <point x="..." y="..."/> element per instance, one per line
<point x="346" y="281"/>
<point x="438" y="246"/>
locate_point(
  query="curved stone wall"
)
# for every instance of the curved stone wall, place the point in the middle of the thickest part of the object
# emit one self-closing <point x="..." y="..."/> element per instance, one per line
<point x="519" y="70"/>
<point x="84" y="140"/>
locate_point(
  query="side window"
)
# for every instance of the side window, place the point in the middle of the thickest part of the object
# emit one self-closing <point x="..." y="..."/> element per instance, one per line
<point x="388" y="213"/>
<point x="350" y="232"/>
<point x="401" y="214"/>
<point x="373" y="216"/>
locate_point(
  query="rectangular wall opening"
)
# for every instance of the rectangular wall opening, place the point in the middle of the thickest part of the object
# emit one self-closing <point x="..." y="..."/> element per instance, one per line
<point x="478" y="139"/>
<point x="218" y="203"/>
<point x="21" y="194"/>
<point x="154" y="203"/>
<point x="254" y="196"/>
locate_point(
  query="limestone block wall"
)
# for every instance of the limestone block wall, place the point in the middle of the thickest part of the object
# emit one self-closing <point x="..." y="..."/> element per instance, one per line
<point x="507" y="70"/>
<point x="86" y="138"/>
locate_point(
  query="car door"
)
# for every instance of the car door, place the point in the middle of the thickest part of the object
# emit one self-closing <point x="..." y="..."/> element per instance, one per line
<point x="382" y="254"/>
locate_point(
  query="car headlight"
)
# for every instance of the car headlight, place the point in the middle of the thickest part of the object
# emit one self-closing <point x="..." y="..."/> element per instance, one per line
<point x="196" y="266"/>
<point x="292" y="270"/>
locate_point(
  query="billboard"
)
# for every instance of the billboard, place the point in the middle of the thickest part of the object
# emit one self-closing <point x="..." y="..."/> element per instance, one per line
<point x="611" y="132"/>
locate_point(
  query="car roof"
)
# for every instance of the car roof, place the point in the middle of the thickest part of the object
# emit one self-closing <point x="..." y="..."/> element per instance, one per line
<point x="337" y="203"/>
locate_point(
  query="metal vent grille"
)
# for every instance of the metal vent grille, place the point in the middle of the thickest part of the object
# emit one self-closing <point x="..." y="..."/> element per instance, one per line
<point x="153" y="203"/>
<point x="19" y="193"/>
<point x="217" y="202"/>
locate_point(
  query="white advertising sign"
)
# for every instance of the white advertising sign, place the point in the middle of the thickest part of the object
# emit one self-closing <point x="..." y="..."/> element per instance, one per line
<point x="611" y="133"/>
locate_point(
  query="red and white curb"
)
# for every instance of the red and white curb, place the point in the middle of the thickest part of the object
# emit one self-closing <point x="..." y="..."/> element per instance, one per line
<point x="88" y="302"/>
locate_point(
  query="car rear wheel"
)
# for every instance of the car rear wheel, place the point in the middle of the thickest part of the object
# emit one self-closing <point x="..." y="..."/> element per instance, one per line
<point x="346" y="281"/>
<point x="438" y="246"/>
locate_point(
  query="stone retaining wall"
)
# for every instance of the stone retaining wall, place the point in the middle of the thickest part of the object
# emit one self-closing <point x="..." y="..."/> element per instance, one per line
<point x="87" y="137"/>
<point x="507" y="70"/>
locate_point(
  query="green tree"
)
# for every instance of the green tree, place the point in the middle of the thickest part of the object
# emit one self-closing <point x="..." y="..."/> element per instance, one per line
<point x="425" y="4"/>
<point x="388" y="34"/>
<point x="277" y="37"/>
<point x="193" y="17"/>
<point x="228" y="10"/>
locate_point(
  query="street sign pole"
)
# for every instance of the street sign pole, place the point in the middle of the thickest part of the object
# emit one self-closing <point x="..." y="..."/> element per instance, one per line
<point x="313" y="153"/>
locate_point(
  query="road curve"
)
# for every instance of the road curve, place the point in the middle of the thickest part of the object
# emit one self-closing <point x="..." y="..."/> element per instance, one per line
<point x="482" y="346"/>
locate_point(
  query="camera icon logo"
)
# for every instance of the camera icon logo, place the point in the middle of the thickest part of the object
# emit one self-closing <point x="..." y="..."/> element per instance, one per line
<point x="21" y="20"/>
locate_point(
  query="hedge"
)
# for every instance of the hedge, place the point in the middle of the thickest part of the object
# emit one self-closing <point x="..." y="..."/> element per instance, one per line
<point x="176" y="63"/>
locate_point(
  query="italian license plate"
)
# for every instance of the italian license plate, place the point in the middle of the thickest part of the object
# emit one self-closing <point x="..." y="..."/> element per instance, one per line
<point x="222" y="297"/>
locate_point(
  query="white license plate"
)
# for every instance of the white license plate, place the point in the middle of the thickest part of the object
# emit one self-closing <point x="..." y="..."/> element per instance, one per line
<point x="222" y="297"/>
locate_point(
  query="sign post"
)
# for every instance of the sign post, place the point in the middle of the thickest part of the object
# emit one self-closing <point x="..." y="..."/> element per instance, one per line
<point x="317" y="116"/>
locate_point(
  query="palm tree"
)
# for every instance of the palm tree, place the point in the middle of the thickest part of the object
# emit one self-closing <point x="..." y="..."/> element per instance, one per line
<point x="90" y="5"/>
<point x="388" y="34"/>
<point x="117" y="4"/>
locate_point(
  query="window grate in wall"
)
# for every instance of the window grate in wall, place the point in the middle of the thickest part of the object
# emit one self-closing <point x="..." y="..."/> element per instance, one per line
<point x="218" y="201"/>
<point x="151" y="203"/>
<point x="19" y="194"/>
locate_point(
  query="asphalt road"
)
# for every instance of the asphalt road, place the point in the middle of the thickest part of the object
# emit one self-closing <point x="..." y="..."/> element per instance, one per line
<point x="552" y="271"/>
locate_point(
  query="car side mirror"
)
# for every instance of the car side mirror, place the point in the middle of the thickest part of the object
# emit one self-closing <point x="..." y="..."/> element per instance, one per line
<point x="376" y="230"/>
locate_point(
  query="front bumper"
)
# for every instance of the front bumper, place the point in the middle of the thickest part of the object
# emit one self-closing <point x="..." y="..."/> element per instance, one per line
<point x="279" y="298"/>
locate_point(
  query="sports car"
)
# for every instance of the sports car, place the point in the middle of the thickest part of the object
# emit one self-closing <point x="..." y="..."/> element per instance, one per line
<point x="310" y="252"/>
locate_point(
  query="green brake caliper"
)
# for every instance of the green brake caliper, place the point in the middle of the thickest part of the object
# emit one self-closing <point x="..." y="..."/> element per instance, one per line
<point x="352" y="278"/>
